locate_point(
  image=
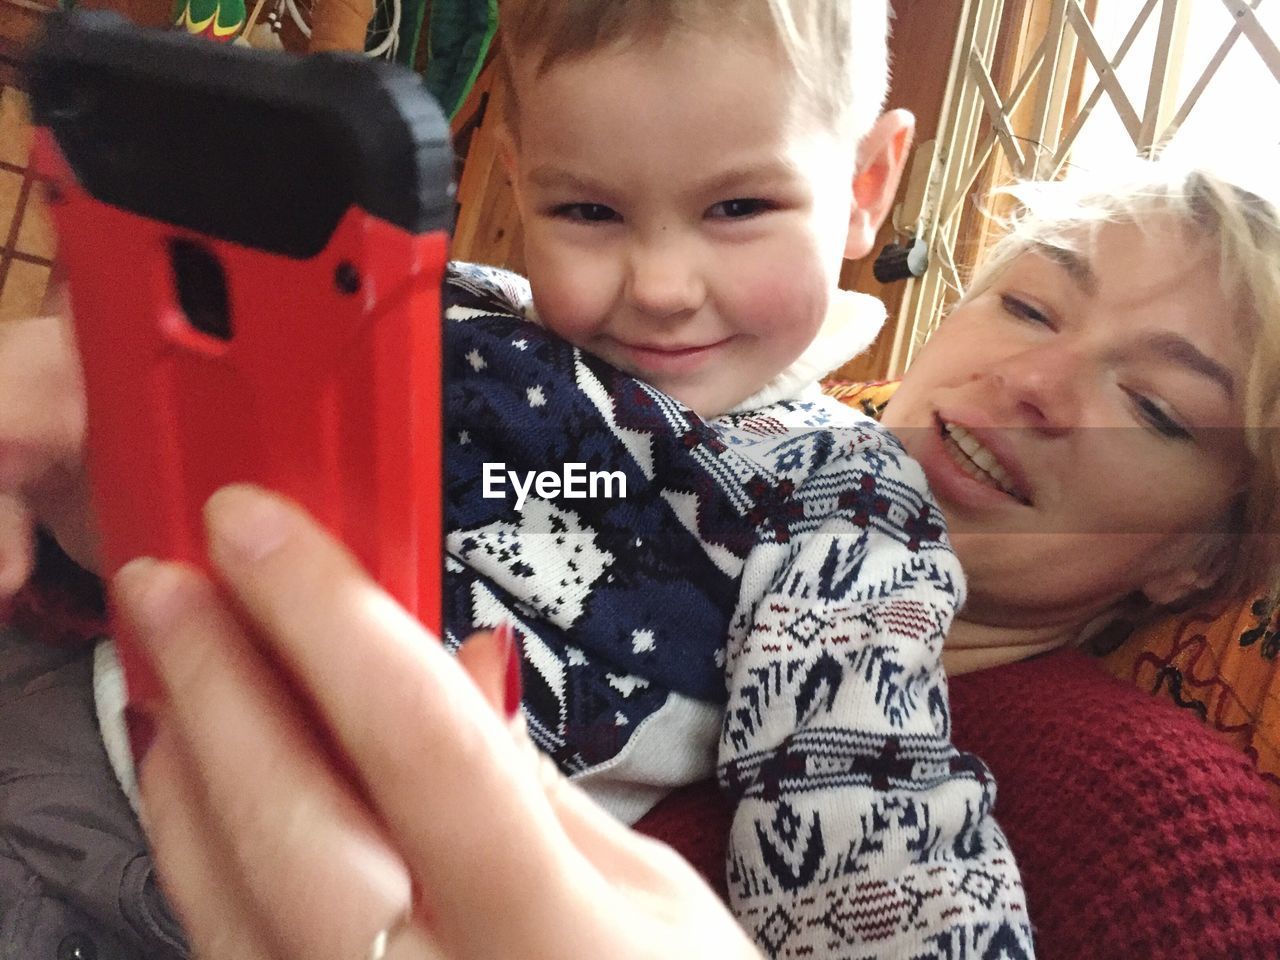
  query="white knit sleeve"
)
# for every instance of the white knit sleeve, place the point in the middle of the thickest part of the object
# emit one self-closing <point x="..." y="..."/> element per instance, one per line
<point x="859" y="830"/>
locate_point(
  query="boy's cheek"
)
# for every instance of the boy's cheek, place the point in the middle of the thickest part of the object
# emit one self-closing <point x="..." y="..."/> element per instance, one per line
<point x="779" y="298"/>
<point x="573" y="301"/>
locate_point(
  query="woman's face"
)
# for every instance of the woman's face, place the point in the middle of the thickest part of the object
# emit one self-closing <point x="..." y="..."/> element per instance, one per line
<point x="1080" y="424"/>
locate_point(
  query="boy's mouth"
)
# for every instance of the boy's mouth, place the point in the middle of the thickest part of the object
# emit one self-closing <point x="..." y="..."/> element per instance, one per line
<point x="660" y="358"/>
<point x="672" y="349"/>
<point x="978" y="462"/>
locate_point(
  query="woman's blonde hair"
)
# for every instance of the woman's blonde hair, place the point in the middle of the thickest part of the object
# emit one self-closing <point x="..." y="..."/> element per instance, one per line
<point x="836" y="48"/>
<point x="1237" y="210"/>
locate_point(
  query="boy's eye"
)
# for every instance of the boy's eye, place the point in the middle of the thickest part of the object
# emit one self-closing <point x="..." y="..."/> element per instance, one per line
<point x="1157" y="418"/>
<point x="1023" y="310"/>
<point x="739" y="208"/>
<point x="585" y="212"/>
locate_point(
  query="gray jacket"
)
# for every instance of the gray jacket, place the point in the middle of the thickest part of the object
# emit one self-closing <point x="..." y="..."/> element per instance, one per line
<point x="76" y="881"/>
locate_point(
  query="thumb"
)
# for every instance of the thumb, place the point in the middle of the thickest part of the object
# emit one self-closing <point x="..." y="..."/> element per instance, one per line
<point x="17" y="545"/>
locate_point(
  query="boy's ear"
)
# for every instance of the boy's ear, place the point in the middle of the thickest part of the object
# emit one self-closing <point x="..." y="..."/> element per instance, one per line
<point x="882" y="155"/>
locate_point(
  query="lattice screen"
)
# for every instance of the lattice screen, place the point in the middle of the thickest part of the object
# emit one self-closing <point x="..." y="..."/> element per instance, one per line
<point x="1036" y="85"/>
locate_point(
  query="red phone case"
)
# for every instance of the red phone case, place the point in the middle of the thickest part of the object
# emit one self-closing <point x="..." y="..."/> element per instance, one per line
<point x="326" y="390"/>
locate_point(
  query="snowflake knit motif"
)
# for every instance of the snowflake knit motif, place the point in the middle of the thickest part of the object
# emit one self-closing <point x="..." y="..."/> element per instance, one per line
<point x="767" y="604"/>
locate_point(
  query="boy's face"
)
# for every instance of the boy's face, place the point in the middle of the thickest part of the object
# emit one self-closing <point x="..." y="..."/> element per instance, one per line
<point x="685" y="217"/>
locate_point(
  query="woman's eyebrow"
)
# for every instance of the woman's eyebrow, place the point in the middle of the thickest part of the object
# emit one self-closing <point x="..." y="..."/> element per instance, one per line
<point x="1177" y="349"/>
<point x="1075" y="264"/>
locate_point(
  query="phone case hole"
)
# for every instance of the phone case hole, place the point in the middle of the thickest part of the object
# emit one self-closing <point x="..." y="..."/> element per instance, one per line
<point x="202" y="288"/>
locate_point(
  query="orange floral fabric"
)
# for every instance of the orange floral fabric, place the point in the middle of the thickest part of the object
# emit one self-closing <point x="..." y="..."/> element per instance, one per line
<point x="869" y="397"/>
<point x="1219" y="661"/>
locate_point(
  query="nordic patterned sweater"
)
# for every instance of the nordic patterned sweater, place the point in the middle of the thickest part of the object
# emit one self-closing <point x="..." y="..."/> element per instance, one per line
<point x="767" y="602"/>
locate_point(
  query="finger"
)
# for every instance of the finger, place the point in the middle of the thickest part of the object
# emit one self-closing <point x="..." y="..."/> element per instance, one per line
<point x="17" y="546"/>
<point x="42" y="430"/>
<point x="459" y="804"/>
<point x="196" y="870"/>
<point x="60" y="501"/>
<point x="305" y="846"/>
<point x="42" y="406"/>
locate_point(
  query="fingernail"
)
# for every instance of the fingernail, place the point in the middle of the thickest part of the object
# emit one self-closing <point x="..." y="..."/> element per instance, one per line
<point x="513" y="690"/>
<point x="141" y="726"/>
<point x="247" y="522"/>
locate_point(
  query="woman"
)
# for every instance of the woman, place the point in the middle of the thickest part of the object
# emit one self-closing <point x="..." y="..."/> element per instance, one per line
<point x="1118" y="360"/>
<point x="1103" y="340"/>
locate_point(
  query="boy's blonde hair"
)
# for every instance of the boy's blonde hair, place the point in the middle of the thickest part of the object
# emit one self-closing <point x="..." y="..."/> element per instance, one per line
<point x="1239" y="213"/>
<point x="836" y="48"/>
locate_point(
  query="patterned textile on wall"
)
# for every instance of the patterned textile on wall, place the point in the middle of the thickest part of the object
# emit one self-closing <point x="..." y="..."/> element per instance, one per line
<point x="1218" y="660"/>
<point x="459" y="33"/>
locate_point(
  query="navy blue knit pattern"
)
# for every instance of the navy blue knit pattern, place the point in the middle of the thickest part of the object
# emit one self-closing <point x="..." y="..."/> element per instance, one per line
<point x="785" y="565"/>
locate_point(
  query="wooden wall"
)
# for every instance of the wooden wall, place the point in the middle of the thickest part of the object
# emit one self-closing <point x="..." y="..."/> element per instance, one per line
<point x="488" y="227"/>
<point x="920" y="48"/>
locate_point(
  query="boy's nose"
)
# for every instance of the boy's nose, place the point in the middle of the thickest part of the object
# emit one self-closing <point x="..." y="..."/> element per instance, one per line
<point x="663" y="280"/>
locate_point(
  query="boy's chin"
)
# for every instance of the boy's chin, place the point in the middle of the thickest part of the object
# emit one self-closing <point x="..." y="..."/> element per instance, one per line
<point x="708" y="404"/>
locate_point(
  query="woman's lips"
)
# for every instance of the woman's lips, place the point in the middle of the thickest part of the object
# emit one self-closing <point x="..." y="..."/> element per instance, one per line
<point x="952" y="481"/>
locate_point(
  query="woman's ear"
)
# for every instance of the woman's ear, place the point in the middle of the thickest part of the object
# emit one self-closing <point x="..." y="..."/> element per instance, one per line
<point x="1167" y="589"/>
<point x="1205" y="567"/>
<point x="882" y="155"/>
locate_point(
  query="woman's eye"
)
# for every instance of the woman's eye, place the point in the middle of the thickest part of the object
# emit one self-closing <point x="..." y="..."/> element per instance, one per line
<point x="585" y="212"/>
<point x="739" y="208"/>
<point x="1023" y="310"/>
<point x="1151" y="412"/>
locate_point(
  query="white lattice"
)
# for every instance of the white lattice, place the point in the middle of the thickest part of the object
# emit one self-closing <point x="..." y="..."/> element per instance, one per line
<point x="1033" y="127"/>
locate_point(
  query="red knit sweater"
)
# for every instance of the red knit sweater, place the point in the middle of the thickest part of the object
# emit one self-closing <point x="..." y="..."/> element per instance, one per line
<point x="1140" y="833"/>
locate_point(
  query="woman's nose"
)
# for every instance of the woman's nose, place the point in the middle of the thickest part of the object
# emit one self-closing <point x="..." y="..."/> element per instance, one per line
<point x="1042" y="386"/>
<point x="663" y="279"/>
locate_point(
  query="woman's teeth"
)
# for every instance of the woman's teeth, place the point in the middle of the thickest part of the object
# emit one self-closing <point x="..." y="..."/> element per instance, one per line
<point x="976" y="460"/>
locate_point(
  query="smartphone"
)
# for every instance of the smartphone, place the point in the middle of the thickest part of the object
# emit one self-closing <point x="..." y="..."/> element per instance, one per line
<point x="254" y="246"/>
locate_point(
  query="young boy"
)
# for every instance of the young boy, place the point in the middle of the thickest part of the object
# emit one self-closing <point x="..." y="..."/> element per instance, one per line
<point x="689" y="176"/>
<point x="761" y="585"/>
